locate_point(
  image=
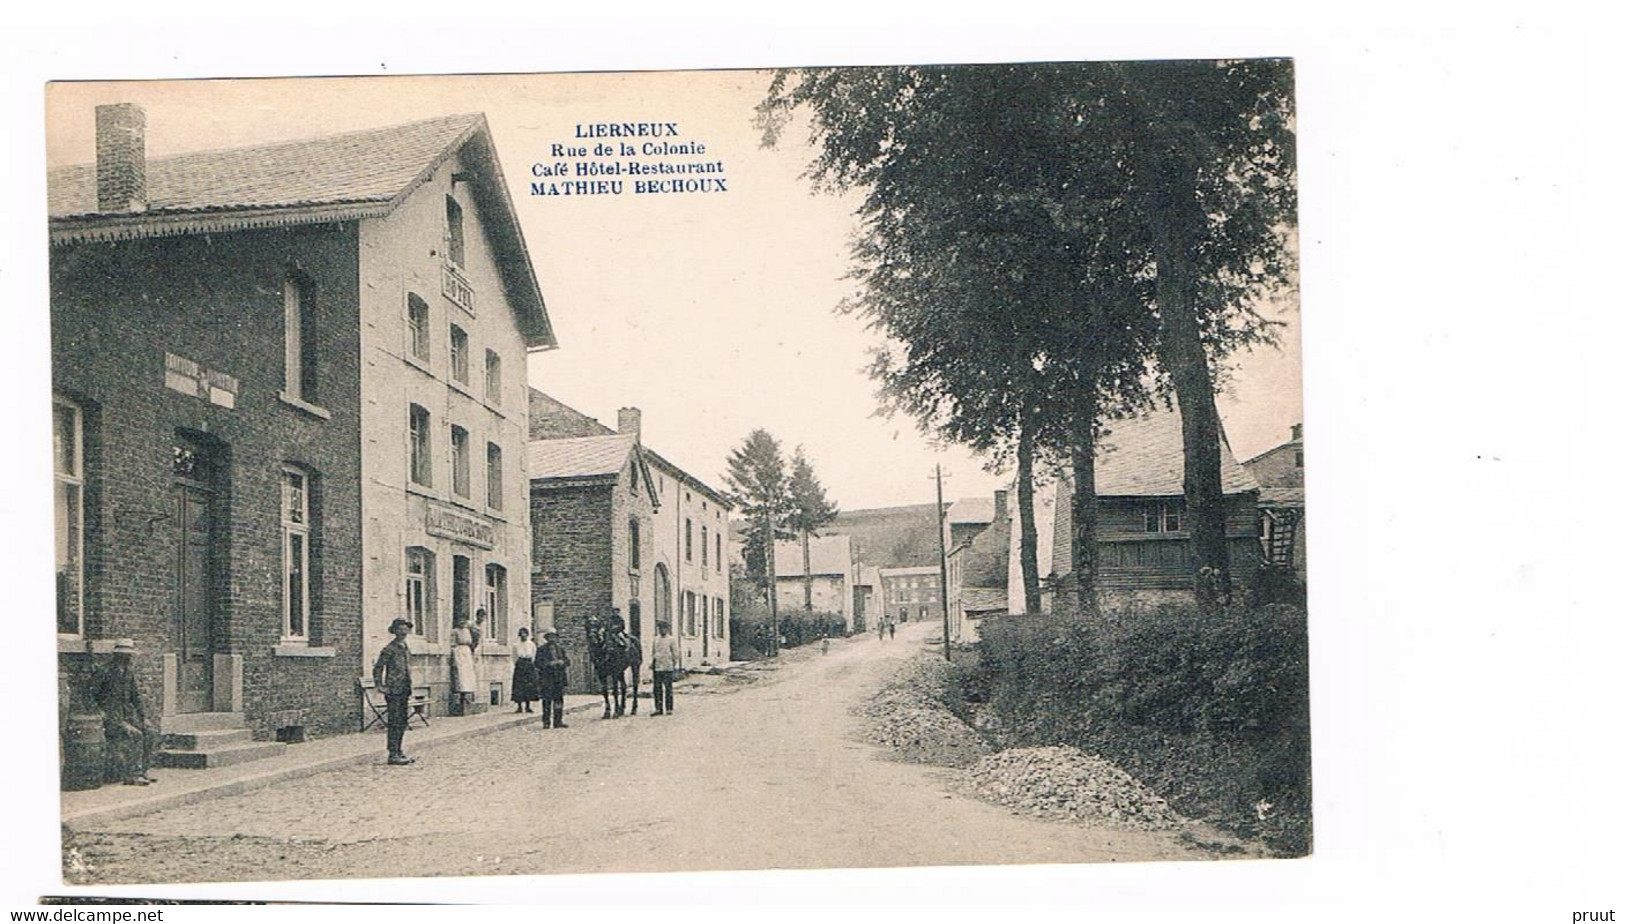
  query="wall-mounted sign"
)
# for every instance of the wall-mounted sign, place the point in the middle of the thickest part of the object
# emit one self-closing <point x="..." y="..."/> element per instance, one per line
<point x="451" y="523"/>
<point x="189" y="378"/>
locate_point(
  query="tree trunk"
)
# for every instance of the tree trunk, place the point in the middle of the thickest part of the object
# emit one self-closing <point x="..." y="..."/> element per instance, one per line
<point x="1029" y="526"/>
<point x="806" y="568"/>
<point x="772" y="586"/>
<point x="1085" y="504"/>
<point x="1176" y="223"/>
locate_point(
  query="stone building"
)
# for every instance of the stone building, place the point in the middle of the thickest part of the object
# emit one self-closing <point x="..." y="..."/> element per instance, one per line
<point x="681" y="570"/>
<point x="834" y="576"/>
<point x="237" y="336"/>
<point x="911" y="594"/>
<point x="1281" y="526"/>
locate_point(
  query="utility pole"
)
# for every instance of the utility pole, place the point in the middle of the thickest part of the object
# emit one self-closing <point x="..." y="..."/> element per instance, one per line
<point x="942" y="564"/>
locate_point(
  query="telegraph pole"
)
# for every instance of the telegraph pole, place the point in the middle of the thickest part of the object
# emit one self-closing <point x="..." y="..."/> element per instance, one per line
<point x="942" y="564"/>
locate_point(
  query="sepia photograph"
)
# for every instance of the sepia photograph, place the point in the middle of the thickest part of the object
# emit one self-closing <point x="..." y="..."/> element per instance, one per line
<point x="921" y="445"/>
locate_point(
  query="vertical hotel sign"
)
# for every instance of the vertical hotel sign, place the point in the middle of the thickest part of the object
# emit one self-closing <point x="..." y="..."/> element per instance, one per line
<point x="451" y="523"/>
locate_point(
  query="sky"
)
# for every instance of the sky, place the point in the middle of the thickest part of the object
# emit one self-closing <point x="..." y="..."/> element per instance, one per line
<point x="713" y="313"/>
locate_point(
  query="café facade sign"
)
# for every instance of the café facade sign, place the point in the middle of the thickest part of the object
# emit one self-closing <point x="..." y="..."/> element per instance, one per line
<point x="451" y="523"/>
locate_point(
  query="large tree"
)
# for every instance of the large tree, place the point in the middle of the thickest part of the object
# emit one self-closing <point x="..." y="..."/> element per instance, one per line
<point x="760" y="490"/>
<point x="809" y="510"/>
<point x="1142" y="210"/>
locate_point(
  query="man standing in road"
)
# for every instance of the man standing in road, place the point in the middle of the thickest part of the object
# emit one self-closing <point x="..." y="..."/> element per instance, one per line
<point x="663" y="661"/>
<point x="392" y="675"/>
<point x="552" y="675"/>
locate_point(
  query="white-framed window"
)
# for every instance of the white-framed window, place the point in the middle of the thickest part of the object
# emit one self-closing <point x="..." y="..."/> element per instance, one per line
<point x="493" y="377"/>
<point x="718" y="619"/>
<point x="420" y="592"/>
<point x="688" y="540"/>
<point x="720" y="566"/>
<point x="459" y="461"/>
<point x="496" y="603"/>
<point x="417" y="326"/>
<point x="299" y="338"/>
<point x="68" y="444"/>
<point x="459" y="354"/>
<point x="493" y="476"/>
<point x="690" y="613"/>
<point x="295" y="553"/>
<point x="420" y="459"/>
<point x="454" y="232"/>
<point x="705" y="548"/>
<point x="1163" y="518"/>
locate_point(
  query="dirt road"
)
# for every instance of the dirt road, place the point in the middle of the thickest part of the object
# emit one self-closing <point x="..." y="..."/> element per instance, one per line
<point x="757" y="775"/>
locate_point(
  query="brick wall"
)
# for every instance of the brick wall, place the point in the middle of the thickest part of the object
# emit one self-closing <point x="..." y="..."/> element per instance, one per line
<point x="571" y="564"/>
<point x="217" y="300"/>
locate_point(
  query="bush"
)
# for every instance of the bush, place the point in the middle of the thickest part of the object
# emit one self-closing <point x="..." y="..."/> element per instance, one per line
<point x="752" y="631"/>
<point x="1211" y="707"/>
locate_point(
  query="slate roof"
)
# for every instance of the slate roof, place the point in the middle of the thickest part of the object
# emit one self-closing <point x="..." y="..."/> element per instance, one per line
<point x="830" y="555"/>
<point x="582" y="457"/>
<point x="1145" y="457"/>
<point x="333" y="178"/>
<point x="906" y="572"/>
<point x="1280" y="497"/>
<point x="983" y="599"/>
<point x="374" y="165"/>
<point x="971" y="510"/>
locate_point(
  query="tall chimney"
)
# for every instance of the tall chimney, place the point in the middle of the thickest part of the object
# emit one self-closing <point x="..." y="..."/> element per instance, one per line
<point x="629" y="420"/>
<point x="121" y="158"/>
<point x="1001" y="505"/>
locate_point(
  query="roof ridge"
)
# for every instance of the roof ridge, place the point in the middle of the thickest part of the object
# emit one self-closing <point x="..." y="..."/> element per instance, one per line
<point x="471" y="117"/>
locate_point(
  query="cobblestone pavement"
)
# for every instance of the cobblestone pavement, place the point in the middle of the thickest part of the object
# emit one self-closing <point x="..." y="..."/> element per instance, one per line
<point x="746" y="775"/>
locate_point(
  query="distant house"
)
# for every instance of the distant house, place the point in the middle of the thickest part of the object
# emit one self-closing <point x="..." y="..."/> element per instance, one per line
<point x="1279" y="472"/>
<point x="834" y="576"/>
<point x="1142" y="535"/>
<point x="280" y="376"/>
<point x="977" y="561"/>
<point x="911" y="594"/>
<point x="681" y="572"/>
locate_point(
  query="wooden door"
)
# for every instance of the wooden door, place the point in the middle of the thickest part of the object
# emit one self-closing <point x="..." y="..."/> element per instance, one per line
<point x="194" y="612"/>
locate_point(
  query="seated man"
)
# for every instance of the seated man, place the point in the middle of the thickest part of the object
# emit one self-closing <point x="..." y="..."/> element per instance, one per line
<point x="131" y="742"/>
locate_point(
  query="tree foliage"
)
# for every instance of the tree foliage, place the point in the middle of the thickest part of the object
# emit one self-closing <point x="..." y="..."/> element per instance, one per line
<point x="758" y="487"/>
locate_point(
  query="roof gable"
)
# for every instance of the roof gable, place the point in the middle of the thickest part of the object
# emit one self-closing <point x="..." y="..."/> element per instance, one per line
<point x="589" y="458"/>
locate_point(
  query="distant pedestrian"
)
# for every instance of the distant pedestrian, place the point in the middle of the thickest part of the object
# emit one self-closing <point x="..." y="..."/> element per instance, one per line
<point x="552" y="675"/>
<point x="664" y="659"/>
<point x="891" y="627"/>
<point x="392" y="674"/>
<point x="131" y="742"/>
<point x="524" y="672"/>
<point x="825" y="646"/>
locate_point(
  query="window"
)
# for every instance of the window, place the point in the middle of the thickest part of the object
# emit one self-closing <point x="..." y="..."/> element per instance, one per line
<point x="1163" y="518"/>
<point x="295" y="554"/>
<point x="299" y="338"/>
<point x="460" y="589"/>
<point x="1170" y="519"/>
<point x="493" y="377"/>
<point x="420" y="596"/>
<point x="67" y="438"/>
<point x="719" y="549"/>
<point x="454" y="232"/>
<point x="717" y="620"/>
<point x="688" y="540"/>
<point x="634" y="540"/>
<point x="1297" y="458"/>
<point x="632" y="483"/>
<point x="422" y="471"/>
<point x="689" y="612"/>
<point x="496" y="602"/>
<point x="705" y="548"/>
<point x="459" y="461"/>
<point x="417" y="327"/>
<point x="493" y="476"/>
<point x="459" y="354"/>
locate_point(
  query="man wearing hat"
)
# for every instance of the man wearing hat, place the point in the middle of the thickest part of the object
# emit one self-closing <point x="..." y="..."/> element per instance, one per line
<point x="663" y="660"/>
<point x="131" y="742"/>
<point x="392" y="674"/>
<point x="552" y="675"/>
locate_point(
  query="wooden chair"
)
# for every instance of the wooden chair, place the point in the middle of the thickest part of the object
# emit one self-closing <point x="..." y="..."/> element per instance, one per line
<point x="375" y="711"/>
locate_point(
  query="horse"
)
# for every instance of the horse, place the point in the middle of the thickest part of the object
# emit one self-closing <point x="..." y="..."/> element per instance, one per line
<point x="610" y="662"/>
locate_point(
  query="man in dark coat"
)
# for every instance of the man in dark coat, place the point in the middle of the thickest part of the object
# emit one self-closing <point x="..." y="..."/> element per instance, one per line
<point x="552" y="675"/>
<point x="392" y="676"/>
<point x="131" y="742"/>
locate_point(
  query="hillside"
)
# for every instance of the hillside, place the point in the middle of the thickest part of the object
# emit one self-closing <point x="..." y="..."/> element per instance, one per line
<point x="890" y="537"/>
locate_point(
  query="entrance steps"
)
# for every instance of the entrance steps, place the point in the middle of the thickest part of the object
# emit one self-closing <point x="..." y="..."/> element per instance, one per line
<point x="211" y="739"/>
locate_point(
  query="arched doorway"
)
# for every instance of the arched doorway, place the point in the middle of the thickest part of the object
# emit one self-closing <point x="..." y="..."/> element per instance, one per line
<point x="662" y="594"/>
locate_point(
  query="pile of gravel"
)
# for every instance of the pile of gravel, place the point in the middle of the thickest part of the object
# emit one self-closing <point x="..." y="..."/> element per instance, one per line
<point x="1065" y="783"/>
<point x="907" y="716"/>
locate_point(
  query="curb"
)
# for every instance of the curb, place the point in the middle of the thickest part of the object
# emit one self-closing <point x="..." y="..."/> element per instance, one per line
<point x="159" y="801"/>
